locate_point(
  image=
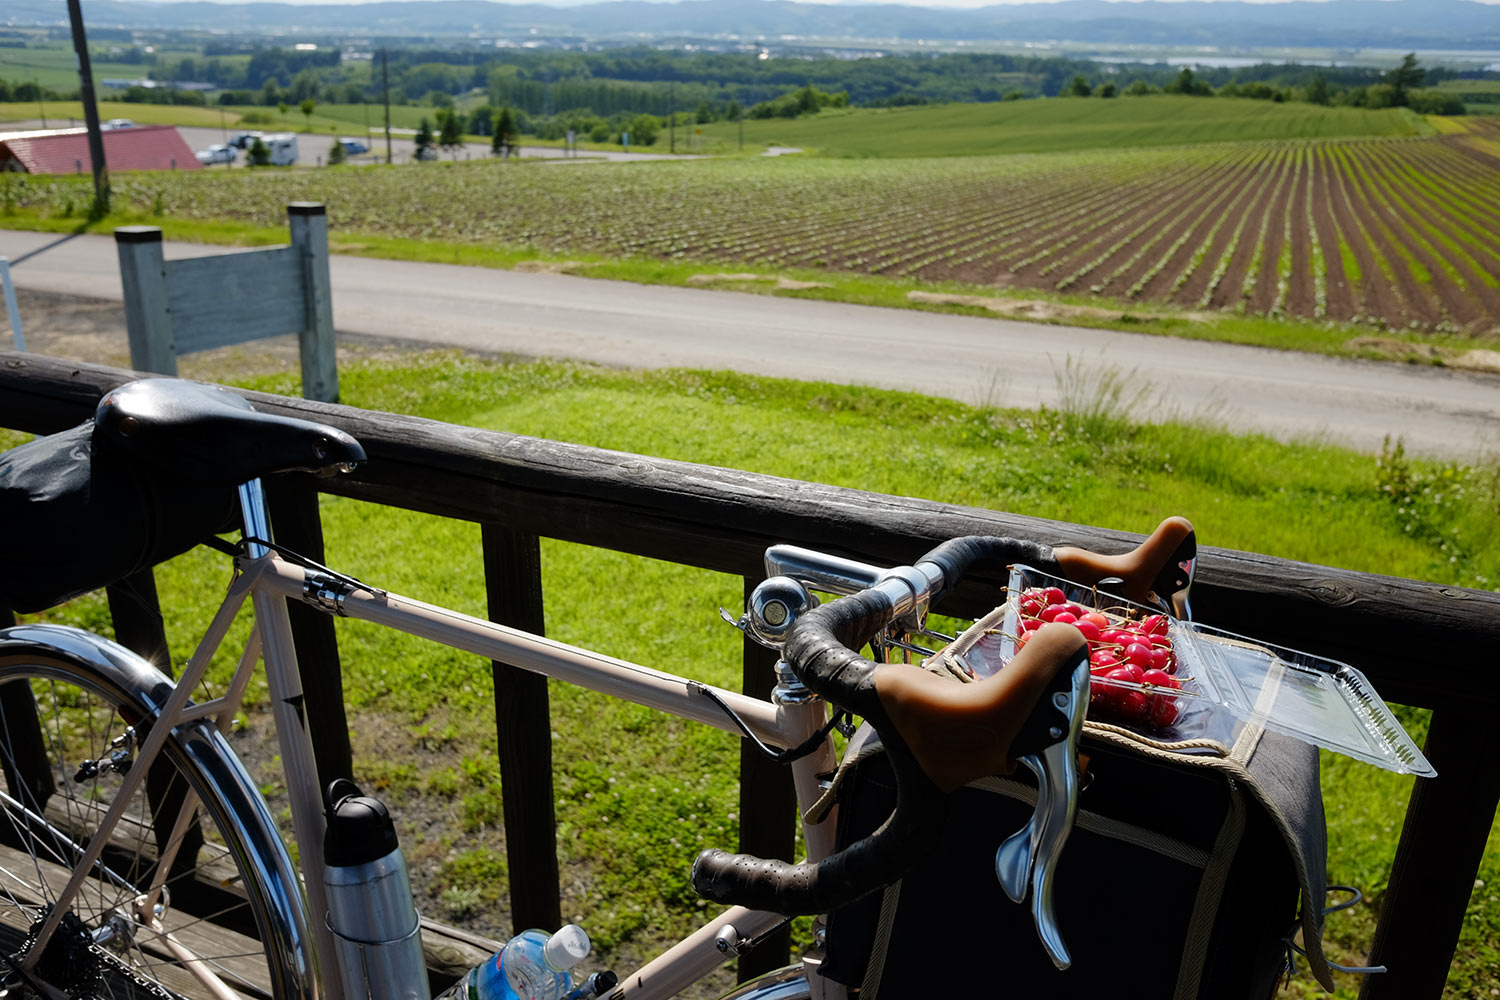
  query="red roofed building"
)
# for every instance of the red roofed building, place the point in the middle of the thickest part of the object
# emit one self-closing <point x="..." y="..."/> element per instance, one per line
<point x="66" y="151"/>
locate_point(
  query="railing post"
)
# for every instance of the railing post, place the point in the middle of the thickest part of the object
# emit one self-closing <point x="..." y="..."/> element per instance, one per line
<point x="1448" y="820"/>
<point x="768" y="803"/>
<point x="27" y="770"/>
<point x="148" y="321"/>
<point x="308" y="221"/>
<point x="294" y="514"/>
<point x="523" y="722"/>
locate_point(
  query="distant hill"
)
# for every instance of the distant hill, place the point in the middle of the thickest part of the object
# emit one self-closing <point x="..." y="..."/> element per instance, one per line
<point x="1340" y="24"/>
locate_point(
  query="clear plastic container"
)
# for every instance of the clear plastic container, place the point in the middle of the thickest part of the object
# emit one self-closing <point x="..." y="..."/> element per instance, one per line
<point x="1227" y="681"/>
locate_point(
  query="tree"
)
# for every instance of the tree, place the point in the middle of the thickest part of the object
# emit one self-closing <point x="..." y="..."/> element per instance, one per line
<point x="307" y="107"/>
<point x="337" y="153"/>
<point x="1139" y="88"/>
<point x="1106" y="89"/>
<point x="1317" y="90"/>
<point x="423" y="138"/>
<point x="505" y="130"/>
<point x="259" y="153"/>
<point x="643" y="129"/>
<point x="1404" y="78"/>
<point x="1080" y="87"/>
<point x="733" y="112"/>
<point x="450" y="136"/>
<point x="705" y="114"/>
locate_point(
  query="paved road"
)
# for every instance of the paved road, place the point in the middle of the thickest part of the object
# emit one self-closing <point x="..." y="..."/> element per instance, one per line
<point x="994" y="361"/>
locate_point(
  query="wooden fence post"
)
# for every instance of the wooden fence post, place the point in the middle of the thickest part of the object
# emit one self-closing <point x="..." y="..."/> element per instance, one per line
<point x="523" y="721"/>
<point x="148" y="321"/>
<point x="768" y="803"/>
<point x="320" y="372"/>
<point x="1448" y="820"/>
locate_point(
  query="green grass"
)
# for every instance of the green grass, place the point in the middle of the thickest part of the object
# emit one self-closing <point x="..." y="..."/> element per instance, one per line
<point x="1061" y="124"/>
<point x="59" y="112"/>
<point x="645" y="792"/>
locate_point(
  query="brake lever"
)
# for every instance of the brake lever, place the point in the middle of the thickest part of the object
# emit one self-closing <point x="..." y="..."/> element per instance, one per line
<point x="1027" y="860"/>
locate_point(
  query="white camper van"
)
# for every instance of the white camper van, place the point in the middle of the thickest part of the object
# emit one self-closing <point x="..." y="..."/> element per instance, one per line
<point x="283" y="147"/>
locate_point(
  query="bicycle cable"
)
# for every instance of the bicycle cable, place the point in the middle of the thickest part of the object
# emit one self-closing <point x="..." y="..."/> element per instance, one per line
<point x="797" y="752"/>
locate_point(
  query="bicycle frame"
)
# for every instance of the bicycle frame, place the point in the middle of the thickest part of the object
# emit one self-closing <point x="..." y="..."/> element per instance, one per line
<point x="269" y="581"/>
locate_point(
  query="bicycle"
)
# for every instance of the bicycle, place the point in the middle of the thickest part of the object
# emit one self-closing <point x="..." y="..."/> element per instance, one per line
<point x="102" y="862"/>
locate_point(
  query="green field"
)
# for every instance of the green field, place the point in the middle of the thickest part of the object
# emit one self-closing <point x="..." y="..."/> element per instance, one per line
<point x="59" y="113"/>
<point x="55" y="68"/>
<point x="1060" y="124"/>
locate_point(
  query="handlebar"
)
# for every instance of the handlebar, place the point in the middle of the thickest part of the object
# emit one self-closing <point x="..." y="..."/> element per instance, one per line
<point x="916" y="714"/>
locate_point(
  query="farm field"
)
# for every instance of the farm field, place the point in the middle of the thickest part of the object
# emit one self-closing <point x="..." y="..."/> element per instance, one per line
<point x="1402" y="233"/>
<point x="1061" y="124"/>
<point x="59" y="113"/>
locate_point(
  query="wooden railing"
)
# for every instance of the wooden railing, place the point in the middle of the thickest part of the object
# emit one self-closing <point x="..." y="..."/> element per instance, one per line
<point x="1421" y="644"/>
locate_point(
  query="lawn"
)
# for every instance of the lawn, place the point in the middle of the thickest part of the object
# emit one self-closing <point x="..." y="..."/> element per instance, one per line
<point x="1061" y="124"/>
<point x="647" y="794"/>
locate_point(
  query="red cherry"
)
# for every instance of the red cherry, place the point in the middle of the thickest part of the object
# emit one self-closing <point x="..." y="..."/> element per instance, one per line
<point x="1155" y="625"/>
<point x="1160" y="658"/>
<point x="1160" y="678"/>
<point x="1164" y="712"/>
<point x="1138" y="654"/>
<point x="1129" y="673"/>
<point x="1101" y="622"/>
<point x="1132" y="705"/>
<point x="1031" y="608"/>
<point x="1076" y="610"/>
<point x="1050" y="612"/>
<point x="1054" y="595"/>
<point x="1102" y="661"/>
<point x="1064" y="617"/>
<point x="1031" y="624"/>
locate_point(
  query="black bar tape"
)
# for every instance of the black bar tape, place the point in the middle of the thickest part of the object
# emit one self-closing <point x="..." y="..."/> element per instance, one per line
<point x="957" y="556"/>
<point x="818" y="648"/>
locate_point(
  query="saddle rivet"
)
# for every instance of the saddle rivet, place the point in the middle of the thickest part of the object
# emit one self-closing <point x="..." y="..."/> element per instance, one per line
<point x="129" y="425"/>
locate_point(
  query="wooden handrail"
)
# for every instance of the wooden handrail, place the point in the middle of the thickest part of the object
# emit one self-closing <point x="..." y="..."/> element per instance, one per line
<point x="1421" y="644"/>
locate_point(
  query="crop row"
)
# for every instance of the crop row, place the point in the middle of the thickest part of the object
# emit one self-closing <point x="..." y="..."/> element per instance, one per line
<point x="1404" y="231"/>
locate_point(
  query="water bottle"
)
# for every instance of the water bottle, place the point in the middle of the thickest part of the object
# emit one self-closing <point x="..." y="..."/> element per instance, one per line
<point x="370" y="910"/>
<point x="533" y="965"/>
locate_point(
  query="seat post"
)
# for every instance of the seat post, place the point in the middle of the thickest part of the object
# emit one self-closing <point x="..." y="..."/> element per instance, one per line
<point x="257" y="519"/>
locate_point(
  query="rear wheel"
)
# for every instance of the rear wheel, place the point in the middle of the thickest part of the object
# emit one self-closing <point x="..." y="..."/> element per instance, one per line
<point x="225" y="918"/>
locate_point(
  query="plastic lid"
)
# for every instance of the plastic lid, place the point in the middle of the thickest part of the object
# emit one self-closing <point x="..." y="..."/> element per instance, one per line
<point x="566" y="948"/>
<point x="359" y="828"/>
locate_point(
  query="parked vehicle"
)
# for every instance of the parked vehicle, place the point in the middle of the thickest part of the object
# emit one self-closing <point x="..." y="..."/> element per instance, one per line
<point x="353" y="146"/>
<point x="242" y="140"/>
<point x="217" y="153"/>
<point x="283" y="148"/>
<point x="115" y="123"/>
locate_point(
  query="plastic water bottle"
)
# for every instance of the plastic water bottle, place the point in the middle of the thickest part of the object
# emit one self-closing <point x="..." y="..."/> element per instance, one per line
<point x="533" y="965"/>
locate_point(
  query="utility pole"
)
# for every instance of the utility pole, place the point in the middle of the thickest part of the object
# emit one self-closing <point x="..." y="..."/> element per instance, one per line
<point x="385" y="83"/>
<point x="672" y="114"/>
<point x="40" y="107"/>
<point x="742" y="129"/>
<point x="90" y="111"/>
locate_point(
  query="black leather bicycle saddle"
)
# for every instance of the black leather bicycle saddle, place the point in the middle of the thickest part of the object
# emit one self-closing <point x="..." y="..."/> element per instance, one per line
<point x="150" y="477"/>
<point x="207" y="436"/>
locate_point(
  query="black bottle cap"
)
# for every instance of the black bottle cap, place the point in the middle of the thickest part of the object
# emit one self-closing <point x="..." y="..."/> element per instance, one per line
<point x="359" y="827"/>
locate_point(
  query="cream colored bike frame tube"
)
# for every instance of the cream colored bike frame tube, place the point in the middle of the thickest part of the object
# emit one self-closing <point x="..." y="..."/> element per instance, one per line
<point x="787" y="725"/>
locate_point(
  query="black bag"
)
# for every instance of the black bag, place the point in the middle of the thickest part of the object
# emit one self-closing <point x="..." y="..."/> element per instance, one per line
<point x="1181" y="878"/>
<point x="78" y="516"/>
